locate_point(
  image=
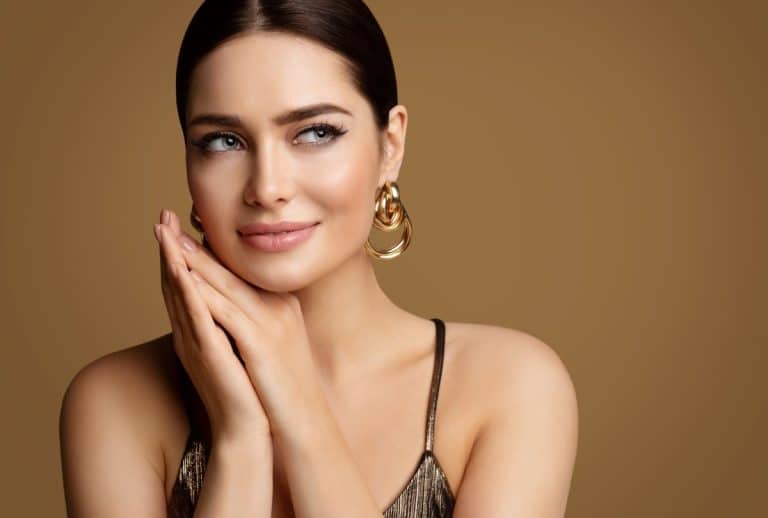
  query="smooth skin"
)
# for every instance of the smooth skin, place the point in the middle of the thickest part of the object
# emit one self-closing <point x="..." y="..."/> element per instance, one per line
<point x="335" y="380"/>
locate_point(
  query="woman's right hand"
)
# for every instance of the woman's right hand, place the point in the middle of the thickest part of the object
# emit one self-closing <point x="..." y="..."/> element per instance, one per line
<point x="203" y="347"/>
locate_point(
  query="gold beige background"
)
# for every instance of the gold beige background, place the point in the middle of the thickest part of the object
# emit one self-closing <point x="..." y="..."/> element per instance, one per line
<point x="592" y="174"/>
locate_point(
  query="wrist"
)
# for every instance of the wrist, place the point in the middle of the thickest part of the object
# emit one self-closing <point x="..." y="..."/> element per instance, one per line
<point x="253" y="447"/>
<point x="306" y="435"/>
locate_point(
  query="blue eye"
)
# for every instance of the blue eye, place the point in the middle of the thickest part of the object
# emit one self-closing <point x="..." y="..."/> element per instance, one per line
<point x="326" y="133"/>
<point x="205" y="141"/>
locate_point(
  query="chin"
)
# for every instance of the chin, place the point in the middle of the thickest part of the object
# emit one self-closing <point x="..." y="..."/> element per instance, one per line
<point x="278" y="278"/>
<point x="275" y="285"/>
<point x="292" y="270"/>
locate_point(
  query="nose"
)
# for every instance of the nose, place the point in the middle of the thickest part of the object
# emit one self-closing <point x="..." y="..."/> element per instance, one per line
<point x="270" y="180"/>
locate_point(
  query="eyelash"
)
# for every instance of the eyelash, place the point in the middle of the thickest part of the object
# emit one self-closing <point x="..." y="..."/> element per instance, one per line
<point x="333" y="130"/>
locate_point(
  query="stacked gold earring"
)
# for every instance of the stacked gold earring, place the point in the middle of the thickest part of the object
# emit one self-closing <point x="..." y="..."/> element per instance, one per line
<point x="388" y="215"/>
<point x="197" y="224"/>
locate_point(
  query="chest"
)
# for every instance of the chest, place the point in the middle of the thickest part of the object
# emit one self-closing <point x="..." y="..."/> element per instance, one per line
<point x="387" y="428"/>
<point x="426" y="494"/>
<point x="386" y="435"/>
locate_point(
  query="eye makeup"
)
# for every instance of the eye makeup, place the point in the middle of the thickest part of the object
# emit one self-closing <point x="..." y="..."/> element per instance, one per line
<point x="326" y="131"/>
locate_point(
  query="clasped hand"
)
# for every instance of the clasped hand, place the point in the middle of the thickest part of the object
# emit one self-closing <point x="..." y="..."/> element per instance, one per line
<point x="276" y="382"/>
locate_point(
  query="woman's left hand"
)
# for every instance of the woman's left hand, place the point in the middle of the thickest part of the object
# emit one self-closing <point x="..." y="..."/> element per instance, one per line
<point x="270" y="334"/>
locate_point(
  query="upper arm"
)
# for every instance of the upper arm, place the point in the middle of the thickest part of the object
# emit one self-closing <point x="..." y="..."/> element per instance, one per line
<point x="522" y="460"/>
<point x="109" y="464"/>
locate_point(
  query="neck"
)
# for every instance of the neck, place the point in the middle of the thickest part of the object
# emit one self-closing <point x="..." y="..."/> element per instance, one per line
<point x="349" y="318"/>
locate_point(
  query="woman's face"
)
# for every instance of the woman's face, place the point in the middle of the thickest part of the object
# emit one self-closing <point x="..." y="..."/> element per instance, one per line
<point x="264" y="168"/>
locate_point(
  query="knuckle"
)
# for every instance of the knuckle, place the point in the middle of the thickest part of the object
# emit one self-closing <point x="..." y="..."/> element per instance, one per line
<point x="246" y="349"/>
<point x="207" y="356"/>
<point x="196" y="317"/>
<point x="220" y="334"/>
<point x="229" y="312"/>
<point x="176" y="267"/>
<point x="229" y="285"/>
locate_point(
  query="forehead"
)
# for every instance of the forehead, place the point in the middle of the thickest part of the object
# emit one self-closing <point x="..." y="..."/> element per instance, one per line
<point x="260" y="74"/>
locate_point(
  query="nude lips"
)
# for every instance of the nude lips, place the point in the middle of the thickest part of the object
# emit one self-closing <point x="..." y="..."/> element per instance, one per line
<point x="279" y="241"/>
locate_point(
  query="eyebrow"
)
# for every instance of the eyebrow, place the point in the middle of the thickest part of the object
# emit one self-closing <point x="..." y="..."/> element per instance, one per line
<point x="304" y="112"/>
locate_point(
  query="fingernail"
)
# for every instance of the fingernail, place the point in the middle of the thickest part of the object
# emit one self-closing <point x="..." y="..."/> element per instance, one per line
<point x="166" y="217"/>
<point x="158" y="235"/>
<point x="196" y="276"/>
<point x="188" y="244"/>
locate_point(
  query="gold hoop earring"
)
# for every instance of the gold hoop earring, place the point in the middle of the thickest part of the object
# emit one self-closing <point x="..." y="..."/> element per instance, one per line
<point x="197" y="224"/>
<point x="389" y="214"/>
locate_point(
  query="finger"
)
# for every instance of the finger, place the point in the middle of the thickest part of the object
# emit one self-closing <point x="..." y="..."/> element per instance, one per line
<point x="173" y="310"/>
<point x="171" y="257"/>
<point x="176" y="313"/>
<point x="173" y="260"/>
<point x="165" y="284"/>
<point x="209" y="332"/>
<point x="180" y="313"/>
<point x="176" y="266"/>
<point x="244" y="295"/>
<point x="241" y="292"/>
<point x="229" y="315"/>
<point x="215" y="355"/>
<point x="174" y="223"/>
<point x="170" y="245"/>
<point x="195" y="311"/>
<point x="180" y="309"/>
<point x="172" y="291"/>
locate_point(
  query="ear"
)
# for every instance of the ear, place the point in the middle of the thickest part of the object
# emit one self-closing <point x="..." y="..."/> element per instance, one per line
<point x="393" y="145"/>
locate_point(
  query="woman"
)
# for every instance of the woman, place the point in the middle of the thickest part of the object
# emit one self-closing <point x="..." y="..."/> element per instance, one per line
<point x="291" y="385"/>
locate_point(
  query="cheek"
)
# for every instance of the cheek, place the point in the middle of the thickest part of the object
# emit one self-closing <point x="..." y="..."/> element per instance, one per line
<point x="346" y="192"/>
<point x="213" y="202"/>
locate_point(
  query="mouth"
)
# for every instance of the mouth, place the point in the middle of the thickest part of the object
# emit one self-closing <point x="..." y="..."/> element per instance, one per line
<point x="280" y="233"/>
<point x="282" y="227"/>
<point x="279" y="241"/>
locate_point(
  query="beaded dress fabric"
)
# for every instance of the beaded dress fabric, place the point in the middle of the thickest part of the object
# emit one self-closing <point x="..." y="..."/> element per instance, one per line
<point x="426" y="494"/>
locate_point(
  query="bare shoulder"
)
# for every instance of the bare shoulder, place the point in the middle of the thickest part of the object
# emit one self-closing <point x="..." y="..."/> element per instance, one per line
<point x="141" y="380"/>
<point x="121" y="410"/>
<point x="527" y="436"/>
<point x="495" y="357"/>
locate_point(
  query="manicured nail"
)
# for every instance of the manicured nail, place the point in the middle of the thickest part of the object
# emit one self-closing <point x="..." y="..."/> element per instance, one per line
<point x="188" y="244"/>
<point x="158" y="234"/>
<point x="166" y="217"/>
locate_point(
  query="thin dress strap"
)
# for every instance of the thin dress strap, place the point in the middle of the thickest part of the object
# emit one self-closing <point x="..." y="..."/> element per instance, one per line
<point x="437" y="371"/>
